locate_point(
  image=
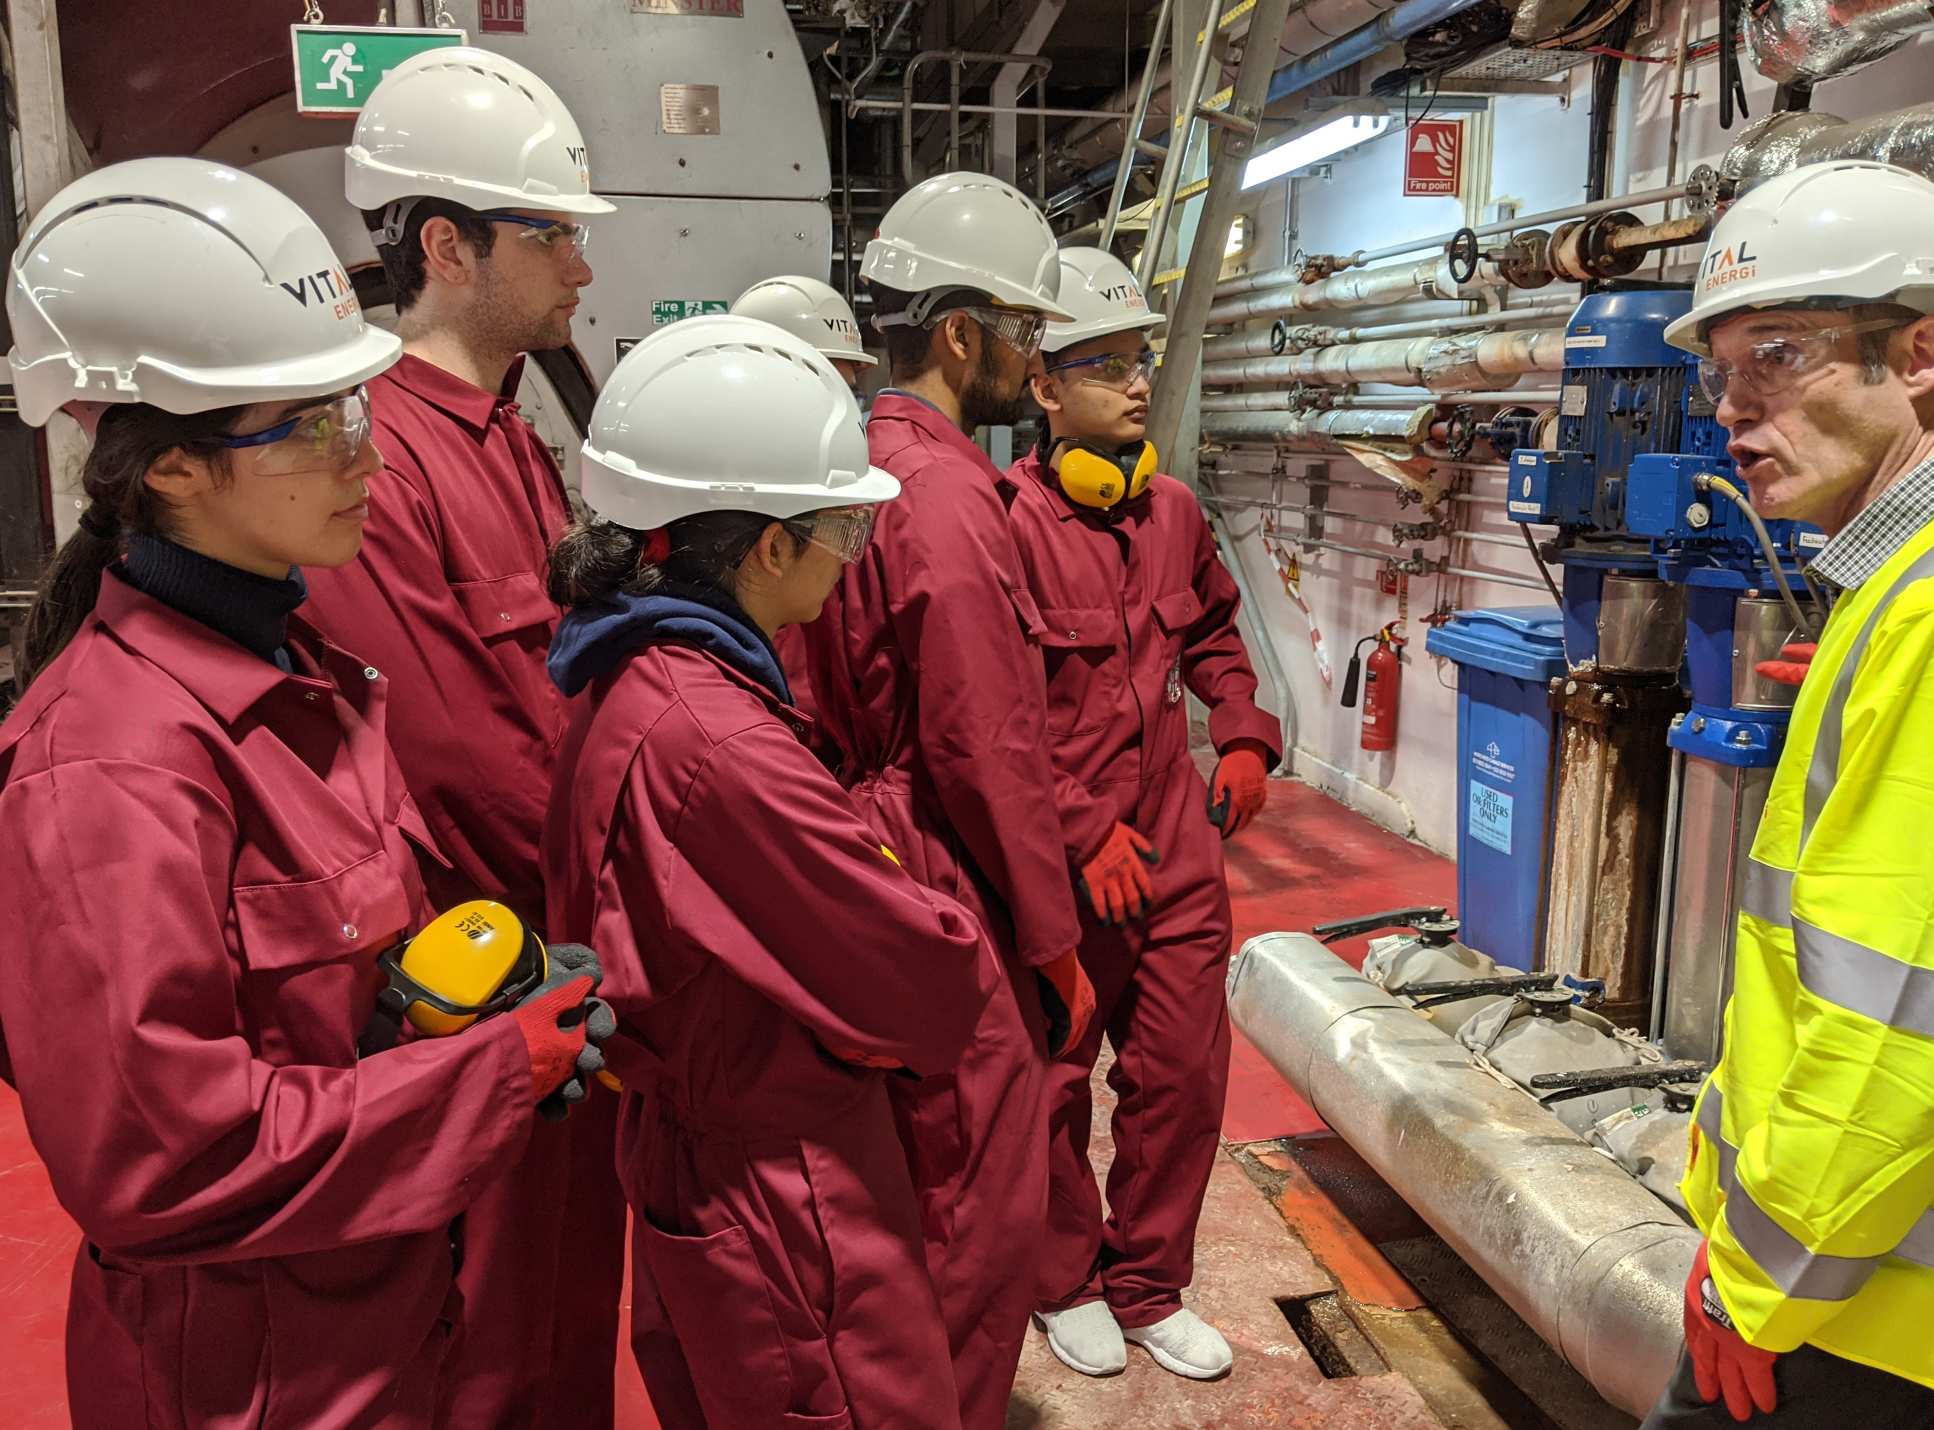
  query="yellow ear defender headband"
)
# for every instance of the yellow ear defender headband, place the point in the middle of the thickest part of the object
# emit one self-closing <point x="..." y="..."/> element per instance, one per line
<point x="1096" y="477"/>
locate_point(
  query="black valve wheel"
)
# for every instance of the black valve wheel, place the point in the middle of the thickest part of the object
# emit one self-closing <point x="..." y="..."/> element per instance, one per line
<point x="1460" y="432"/>
<point x="1463" y="253"/>
<point x="1278" y="337"/>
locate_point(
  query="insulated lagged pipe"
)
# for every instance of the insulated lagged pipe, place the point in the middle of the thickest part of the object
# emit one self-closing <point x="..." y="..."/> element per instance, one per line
<point x="1786" y="141"/>
<point x="1258" y="342"/>
<point x="1405" y="426"/>
<point x="1593" y="1262"/>
<point x="1425" y="278"/>
<point x="1443" y="364"/>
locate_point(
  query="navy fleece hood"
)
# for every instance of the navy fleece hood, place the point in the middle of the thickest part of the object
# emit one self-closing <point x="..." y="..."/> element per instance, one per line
<point x="594" y="638"/>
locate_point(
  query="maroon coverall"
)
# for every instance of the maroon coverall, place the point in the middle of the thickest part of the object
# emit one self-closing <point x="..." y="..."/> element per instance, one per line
<point x="925" y="672"/>
<point x="203" y="857"/>
<point x="748" y="921"/>
<point x="1136" y="606"/>
<point x="448" y="600"/>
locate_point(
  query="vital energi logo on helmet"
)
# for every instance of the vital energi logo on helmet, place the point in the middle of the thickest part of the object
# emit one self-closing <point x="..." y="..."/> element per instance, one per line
<point x="330" y="285"/>
<point x="843" y="329"/>
<point x="581" y="156"/>
<point x="1127" y="294"/>
<point x="1732" y="264"/>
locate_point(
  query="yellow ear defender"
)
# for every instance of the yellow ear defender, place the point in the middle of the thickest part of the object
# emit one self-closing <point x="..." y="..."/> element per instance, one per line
<point x="1096" y="477"/>
<point x="469" y="962"/>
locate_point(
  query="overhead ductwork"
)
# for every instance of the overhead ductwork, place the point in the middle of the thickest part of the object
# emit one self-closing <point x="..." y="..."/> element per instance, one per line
<point x="1781" y="142"/>
<point x="1812" y="40"/>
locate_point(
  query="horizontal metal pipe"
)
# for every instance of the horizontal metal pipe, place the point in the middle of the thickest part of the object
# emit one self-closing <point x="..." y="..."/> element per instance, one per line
<point x="1277" y="400"/>
<point x="1370" y="288"/>
<point x="1257" y="341"/>
<point x="1293" y="273"/>
<point x="1589" y="1259"/>
<point x="1443" y="364"/>
<point x="1486" y="538"/>
<point x="1403" y="426"/>
<point x="934" y="107"/>
<point x="1496" y="578"/>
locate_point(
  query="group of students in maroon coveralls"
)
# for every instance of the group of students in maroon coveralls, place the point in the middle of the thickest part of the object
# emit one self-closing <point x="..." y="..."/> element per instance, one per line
<point x="329" y="654"/>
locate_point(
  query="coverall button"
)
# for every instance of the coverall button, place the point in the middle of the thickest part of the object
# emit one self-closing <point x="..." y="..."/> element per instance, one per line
<point x="370" y="672"/>
<point x="350" y="931"/>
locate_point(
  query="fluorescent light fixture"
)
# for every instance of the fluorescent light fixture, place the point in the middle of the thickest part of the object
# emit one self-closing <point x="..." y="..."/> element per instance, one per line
<point x="1314" y="146"/>
<point x="1238" y="236"/>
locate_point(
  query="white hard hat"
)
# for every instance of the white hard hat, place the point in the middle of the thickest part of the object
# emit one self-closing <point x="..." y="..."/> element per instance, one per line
<point x="1104" y="297"/>
<point x="807" y="309"/>
<point x="470" y="126"/>
<point x="967" y="230"/>
<point x="723" y="413"/>
<point x="186" y="285"/>
<point x="1851" y="230"/>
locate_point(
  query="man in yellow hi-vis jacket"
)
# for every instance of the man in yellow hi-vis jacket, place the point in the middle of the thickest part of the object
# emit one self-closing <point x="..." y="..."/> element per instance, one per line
<point x="1812" y="1170"/>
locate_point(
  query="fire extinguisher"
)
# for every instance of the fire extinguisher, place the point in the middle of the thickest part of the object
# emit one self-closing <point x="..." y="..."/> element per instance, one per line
<point x="1383" y="687"/>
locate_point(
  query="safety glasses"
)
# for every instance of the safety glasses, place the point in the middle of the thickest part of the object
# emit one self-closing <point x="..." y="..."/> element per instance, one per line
<point x="1117" y="370"/>
<point x="558" y="239"/>
<point x="842" y="530"/>
<point x="1020" y="330"/>
<point x="322" y="439"/>
<point x="1771" y="367"/>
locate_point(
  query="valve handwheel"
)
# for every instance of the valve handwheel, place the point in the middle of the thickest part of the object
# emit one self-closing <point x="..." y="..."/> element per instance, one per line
<point x="1463" y="253"/>
<point x="1278" y="337"/>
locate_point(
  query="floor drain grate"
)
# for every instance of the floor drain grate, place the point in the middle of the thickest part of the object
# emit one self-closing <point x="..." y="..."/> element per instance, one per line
<point x="1333" y="1339"/>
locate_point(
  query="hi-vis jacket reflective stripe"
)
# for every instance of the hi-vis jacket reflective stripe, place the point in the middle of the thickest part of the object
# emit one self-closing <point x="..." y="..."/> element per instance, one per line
<point x="1813" y="1165"/>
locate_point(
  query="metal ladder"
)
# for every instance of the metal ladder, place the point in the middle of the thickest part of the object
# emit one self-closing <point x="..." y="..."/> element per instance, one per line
<point x="1234" y="114"/>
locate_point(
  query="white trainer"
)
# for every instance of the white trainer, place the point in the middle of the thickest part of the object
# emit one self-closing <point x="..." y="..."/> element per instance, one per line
<point x="1085" y="1338"/>
<point x="1185" y="1344"/>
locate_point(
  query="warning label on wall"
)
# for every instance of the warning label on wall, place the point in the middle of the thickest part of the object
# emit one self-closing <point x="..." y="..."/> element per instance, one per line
<point x="1434" y="158"/>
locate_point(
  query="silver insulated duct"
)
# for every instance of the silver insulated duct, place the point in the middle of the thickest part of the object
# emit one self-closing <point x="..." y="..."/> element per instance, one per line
<point x="1785" y="141"/>
<point x="1812" y="40"/>
<point x="1593" y="1262"/>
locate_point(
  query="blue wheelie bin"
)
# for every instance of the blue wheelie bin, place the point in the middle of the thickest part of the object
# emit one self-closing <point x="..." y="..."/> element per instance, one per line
<point x="1505" y="659"/>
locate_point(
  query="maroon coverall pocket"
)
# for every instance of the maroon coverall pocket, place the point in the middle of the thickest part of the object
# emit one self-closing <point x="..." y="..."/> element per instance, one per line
<point x="721" y="1310"/>
<point x="514" y="617"/>
<point x="1081" y="646"/>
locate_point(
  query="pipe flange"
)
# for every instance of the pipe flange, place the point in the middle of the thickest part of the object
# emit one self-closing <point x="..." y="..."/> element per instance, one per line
<point x="1461" y="254"/>
<point x="1552" y="1003"/>
<point x="1706" y="190"/>
<point x="1581" y="251"/>
<point x="1437" y="932"/>
<point x="1526" y="261"/>
<point x="1278" y="337"/>
<point x="1315" y="267"/>
<point x="1460" y="431"/>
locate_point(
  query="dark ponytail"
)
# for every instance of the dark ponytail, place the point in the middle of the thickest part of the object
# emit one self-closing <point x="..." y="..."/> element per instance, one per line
<point x="596" y="560"/>
<point x="130" y="439"/>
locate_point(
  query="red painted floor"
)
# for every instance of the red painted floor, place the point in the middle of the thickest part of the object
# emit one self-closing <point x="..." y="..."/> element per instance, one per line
<point x="1306" y="860"/>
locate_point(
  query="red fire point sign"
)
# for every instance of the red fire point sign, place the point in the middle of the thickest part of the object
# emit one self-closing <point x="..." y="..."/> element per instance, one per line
<point x="1434" y="158"/>
<point x="500" y="17"/>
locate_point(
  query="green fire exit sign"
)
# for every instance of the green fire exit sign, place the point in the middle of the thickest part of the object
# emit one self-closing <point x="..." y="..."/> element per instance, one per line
<point x="337" y="66"/>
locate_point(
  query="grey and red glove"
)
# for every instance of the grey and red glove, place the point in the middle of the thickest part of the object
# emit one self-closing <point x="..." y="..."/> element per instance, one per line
<point x="1794" y="662"/>
<point x="1722" y="1363"/>
<point x="1116" y="880"/>
<point x="1239" y="786"/>
<point x="1068" y="999"/>
<point x="563" y="1026"/>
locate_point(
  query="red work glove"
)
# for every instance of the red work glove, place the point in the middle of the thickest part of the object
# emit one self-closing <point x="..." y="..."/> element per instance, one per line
<point x="1068" y="998"/>
<point x="1240" y="786"/>
<point x="557" y="1020"/>
<point x="1116" y="880"/>
<point x="1722" y="1362"/>
<point x="1794" y="662"/>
